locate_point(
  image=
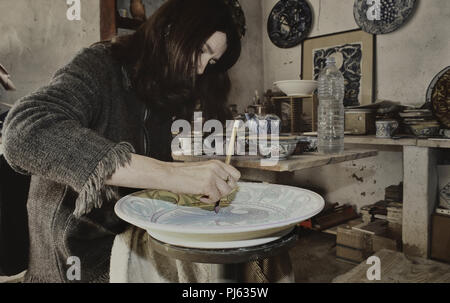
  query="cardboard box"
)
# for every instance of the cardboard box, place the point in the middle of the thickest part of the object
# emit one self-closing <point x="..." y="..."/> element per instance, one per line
<point x="346" y="236"/>
<point x="440" y="237"/>
<point x="359" y="242"/>
<point x="360" y="122"/>
<point x="353" y="245"/>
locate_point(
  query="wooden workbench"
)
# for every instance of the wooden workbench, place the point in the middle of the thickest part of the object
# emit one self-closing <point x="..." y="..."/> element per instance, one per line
<point x="293" y="163"/>
<point x="252" y="169"/>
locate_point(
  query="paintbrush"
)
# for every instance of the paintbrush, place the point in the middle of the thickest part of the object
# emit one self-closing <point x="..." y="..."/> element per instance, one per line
<point x="230" y="152"/>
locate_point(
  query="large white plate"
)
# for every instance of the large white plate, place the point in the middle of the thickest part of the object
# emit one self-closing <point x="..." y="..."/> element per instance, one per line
<point x="260" y="213"/>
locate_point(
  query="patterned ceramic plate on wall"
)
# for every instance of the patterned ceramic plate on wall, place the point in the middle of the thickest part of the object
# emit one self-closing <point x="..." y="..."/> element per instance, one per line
<point x="438" y="94"/>
<point x="289" y="23"/>
<point x="260" y="213"/>
<point x="382" y="16"/>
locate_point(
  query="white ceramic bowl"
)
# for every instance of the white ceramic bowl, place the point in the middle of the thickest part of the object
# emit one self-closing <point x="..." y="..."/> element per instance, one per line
<point x="299" y="88"/>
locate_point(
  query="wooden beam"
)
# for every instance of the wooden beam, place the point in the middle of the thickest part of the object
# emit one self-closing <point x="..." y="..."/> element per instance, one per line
<point x="107" y="19"/>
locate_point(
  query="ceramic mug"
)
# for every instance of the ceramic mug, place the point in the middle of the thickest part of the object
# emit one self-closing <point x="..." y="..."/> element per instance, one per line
<point x="386" y="128"/>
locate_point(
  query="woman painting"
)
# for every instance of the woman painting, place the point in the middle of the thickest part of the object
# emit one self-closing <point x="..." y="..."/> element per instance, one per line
<point x="102" y="126"/>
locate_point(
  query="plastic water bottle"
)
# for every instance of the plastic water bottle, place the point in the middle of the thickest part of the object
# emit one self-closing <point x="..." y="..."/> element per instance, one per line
<point x="331" y="109"/>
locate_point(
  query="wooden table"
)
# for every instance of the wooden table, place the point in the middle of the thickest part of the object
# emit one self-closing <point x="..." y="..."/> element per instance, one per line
<point x="420" y="185"/>
<point x="251" y="167"/>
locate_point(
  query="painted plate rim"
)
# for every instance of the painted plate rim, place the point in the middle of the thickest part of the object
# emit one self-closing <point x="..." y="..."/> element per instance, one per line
<point x="430" y="89"/>
<point x="216" y="230"/>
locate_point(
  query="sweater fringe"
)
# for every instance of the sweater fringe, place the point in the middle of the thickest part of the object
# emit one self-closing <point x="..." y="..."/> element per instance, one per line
<point x="94" y="190"/>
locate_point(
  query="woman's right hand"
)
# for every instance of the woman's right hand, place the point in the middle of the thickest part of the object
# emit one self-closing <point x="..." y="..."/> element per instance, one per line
<point x="212" y="179"/>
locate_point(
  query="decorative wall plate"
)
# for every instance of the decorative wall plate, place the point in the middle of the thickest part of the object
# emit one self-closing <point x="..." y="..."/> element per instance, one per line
<point x="438" y="94"/>
<point x="260" y="213"/>
<point x="289" y="23"/>
<point x="382" y="16"/>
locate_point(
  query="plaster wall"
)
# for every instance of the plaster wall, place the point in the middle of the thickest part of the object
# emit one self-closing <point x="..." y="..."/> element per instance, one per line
<point x="36" y="39"/>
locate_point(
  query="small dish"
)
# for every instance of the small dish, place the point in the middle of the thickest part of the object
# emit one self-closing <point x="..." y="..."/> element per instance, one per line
<point x="424" y="130"/>
<point x="297" y="88"/>
<point x="277" y="150"/>
<point x="415" y="114"/>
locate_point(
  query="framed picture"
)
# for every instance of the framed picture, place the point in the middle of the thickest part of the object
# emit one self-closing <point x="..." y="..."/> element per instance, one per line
<point x="354" y="54"/>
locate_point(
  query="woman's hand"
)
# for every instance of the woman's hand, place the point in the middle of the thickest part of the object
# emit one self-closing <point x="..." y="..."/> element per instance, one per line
<point x="212" y="179"/>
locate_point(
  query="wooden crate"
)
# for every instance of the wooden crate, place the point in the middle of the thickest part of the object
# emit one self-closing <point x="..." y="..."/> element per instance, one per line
<point x="440" y="237"/>
<point x="299" y="106"/>
<point x="348" y="237"/>
<point x="357" y="244"/>
<point x="350" y="254"/>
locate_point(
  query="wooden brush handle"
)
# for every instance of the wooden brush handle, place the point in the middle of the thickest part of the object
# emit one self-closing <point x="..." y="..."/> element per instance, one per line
<point x="230" y="150"/>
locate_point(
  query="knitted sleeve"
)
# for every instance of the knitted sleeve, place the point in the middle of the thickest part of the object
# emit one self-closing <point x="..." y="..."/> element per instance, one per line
<point x="48" y="133"/>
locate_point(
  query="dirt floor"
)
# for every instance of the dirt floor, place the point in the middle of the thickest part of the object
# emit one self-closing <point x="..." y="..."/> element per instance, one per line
<point x="314" y="258"/>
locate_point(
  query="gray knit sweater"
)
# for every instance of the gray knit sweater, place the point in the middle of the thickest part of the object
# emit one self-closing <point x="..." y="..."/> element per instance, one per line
<point x="70" y="136"/>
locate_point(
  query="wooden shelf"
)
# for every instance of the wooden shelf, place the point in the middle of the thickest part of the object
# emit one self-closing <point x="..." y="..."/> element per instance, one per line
<point x="298" y="109"/>
<point x="436" y="143"/>
<point x="128" y="23"/>
<point x="294" y="163"/>
<point x="373" y="140"/>
<point x="291" y="97"/>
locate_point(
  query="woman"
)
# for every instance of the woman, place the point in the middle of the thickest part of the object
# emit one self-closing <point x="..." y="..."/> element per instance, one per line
<point x="103" y="125"/>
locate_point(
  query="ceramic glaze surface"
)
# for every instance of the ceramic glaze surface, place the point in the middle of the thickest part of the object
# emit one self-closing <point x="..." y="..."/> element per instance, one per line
<point x="382" y="16"/>
<point x="256" y="207"/>
<point x="289" y="23"/>
<point x="438" y="94"/>
<point x="385" y="129"/>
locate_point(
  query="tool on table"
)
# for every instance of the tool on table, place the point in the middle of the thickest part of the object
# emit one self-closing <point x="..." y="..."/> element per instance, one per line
<point x="5" y="79"/>
<point x="230" y="152"/>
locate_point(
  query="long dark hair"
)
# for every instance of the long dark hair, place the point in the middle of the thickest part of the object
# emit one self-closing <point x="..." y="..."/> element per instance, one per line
<point x="162" y="58"/>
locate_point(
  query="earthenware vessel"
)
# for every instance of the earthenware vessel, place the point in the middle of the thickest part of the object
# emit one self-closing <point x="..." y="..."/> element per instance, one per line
<point x="386" y="128"/>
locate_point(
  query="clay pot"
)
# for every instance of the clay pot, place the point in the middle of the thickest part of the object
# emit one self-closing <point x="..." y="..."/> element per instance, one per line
<point x="137" y="10"/>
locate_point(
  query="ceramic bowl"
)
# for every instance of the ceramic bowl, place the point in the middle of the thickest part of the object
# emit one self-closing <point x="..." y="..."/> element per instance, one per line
<point x="277" y="150"/>
<point x="299" y="88"/>
<point x="309" y="144"/>
<point x="424" y="130"/>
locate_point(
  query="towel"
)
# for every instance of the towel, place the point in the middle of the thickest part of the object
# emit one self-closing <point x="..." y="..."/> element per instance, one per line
<point x="187" y="200"/>
<point x="134" y="261"/>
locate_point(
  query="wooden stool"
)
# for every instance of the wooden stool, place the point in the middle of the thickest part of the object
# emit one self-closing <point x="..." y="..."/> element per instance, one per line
<point x="227" y="262"/>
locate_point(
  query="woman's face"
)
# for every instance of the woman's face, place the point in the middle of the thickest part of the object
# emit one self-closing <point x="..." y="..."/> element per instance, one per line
<point x="211" y="51"/>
